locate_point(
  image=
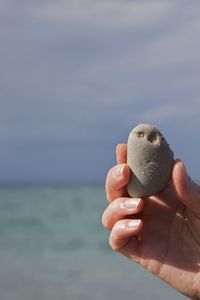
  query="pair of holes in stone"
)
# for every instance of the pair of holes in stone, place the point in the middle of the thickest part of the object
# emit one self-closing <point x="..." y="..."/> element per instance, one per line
<point x="152" y="137"/>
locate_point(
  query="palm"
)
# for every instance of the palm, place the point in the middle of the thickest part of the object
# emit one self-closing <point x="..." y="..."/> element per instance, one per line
<point x="167" y="241"/>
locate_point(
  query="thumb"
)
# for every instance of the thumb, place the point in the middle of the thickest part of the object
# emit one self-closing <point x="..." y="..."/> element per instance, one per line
<point x="186" y="189"/>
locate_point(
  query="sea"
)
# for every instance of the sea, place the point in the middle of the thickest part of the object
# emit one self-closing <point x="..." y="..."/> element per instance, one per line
<point x="54" y="247"/>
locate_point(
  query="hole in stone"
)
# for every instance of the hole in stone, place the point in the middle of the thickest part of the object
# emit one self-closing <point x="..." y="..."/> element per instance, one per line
<point x="152" y="137"/>
<point x="140" y="134"/>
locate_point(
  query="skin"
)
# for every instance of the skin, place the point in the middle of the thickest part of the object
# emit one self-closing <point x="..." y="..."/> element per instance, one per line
<point x="161" y="232"/>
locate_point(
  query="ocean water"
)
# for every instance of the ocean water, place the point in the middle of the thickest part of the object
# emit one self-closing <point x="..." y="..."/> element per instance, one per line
<point x="53" y="246"/>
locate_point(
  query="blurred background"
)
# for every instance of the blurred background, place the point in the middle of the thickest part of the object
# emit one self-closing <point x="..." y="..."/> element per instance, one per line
<point x="75" y="77"/>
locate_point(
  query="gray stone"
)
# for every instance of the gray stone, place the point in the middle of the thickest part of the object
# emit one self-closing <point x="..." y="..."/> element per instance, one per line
<point x="150" y="160"/>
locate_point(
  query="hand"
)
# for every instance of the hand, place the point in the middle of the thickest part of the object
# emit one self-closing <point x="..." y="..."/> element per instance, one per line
<point x="161" y="232"/>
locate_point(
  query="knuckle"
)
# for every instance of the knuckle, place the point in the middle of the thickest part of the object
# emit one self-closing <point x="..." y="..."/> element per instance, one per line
<point x="118" y="207"/>
<point x="110" y="185"/>
<point x="112" y="244"/>
<point x="106" y="224"/>
<point x="112" y="214"/>
<point x="114" y="206"/>
<point x="104" y="220"/>
<point x="109" y="175"/>
<point x="116" y="230"/>
<point x="114" y="241"/>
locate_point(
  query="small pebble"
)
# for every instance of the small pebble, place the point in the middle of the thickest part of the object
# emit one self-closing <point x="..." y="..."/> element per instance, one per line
<point x="150" y="160"/>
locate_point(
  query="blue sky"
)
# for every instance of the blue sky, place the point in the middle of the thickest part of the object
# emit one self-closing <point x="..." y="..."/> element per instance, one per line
<point x="76" y="76"/>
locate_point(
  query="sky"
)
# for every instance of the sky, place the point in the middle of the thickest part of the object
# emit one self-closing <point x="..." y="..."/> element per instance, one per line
<point x="77" y="75"/>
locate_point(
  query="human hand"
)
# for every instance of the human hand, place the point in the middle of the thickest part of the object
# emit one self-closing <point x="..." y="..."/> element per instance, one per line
<point x="161" y="232"/>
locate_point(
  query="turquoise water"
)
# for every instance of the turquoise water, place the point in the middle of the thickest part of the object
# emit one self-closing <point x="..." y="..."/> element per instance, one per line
<point x="53" y="246"/>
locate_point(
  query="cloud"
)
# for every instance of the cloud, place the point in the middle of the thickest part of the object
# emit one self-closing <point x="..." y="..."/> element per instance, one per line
<point x="173" y="111"/>
<point x="105" y="13"/>
<point x="80" y="74"/>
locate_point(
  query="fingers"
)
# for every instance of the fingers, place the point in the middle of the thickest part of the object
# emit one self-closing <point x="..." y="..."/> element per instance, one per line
<point x="186" y="189"/>
<point x="122" y="231"/>
<point x="116" y="182"/>
<point x="118" y="176"/>
<point x="120" y="208"/>
<point x="121" y="153"/>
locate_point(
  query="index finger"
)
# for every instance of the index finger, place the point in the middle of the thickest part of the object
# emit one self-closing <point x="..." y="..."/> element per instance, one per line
<point x="116" y="187"/>
<point x="121" y="153"/>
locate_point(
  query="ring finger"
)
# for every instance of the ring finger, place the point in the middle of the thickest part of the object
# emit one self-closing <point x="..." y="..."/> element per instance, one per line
<point x="122" y="231"/>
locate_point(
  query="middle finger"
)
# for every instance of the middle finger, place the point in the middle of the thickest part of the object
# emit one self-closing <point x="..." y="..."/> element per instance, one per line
<point x="119" y="209"/>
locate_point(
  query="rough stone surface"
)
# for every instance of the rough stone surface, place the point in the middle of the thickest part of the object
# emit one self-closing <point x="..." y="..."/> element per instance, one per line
<point x="150" y="160"/>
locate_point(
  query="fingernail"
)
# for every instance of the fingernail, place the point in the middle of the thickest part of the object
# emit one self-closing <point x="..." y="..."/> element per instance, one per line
<point x="117" y="171"/>
<point x="133" y="223"/>
<point x="118" y="145"/>
<point x="131" y="203"/>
